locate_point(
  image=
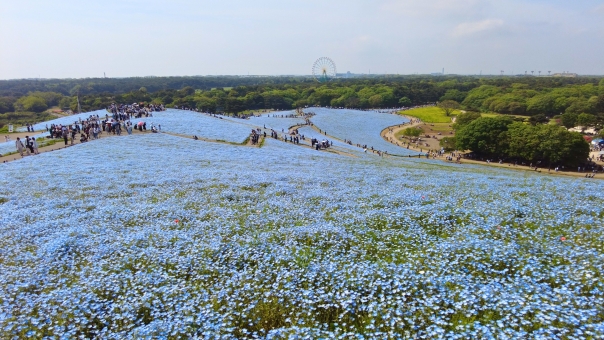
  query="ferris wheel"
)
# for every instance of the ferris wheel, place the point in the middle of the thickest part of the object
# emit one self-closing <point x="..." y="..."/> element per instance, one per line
<point x="324" y="69"/>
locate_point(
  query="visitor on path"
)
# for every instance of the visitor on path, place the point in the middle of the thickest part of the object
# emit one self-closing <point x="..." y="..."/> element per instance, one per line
<point x="19" y="146"/>
<point x="30" y="148"/>
<point x="34" y="144"/>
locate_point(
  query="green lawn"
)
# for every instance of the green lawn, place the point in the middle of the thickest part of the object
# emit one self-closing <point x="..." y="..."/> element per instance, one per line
<point x="435" y="115"/>
<point x="429" y="115"/>
<point x="441" y="127"/>
<point x="492" y="114"/>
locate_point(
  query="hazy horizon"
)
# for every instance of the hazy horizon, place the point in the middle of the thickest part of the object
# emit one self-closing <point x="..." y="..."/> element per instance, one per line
<point x="135" y="38"/>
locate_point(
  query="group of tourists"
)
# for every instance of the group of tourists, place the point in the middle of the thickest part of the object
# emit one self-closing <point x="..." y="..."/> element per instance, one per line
<point x="122" y="112"/>
<point x="320" y="145"/>
<point x="93" y="127"/>
<point x="255" y="136"/>
<point x="293" y="137"/>
<point x="89" y="128"/>
<point x="30" y="147"/>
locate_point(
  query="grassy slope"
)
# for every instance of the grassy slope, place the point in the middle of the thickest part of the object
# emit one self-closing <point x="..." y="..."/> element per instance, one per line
<point x="429" y="115"/>
<point x="435" y="115"/>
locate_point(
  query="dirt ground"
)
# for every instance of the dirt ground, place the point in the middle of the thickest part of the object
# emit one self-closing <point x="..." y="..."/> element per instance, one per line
<point x="60" y="144"/>
<point x="429" y="140"/>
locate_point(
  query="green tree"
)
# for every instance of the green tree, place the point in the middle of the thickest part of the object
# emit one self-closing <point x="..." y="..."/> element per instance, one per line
<point x="448" y="107"/>
<point x="485" y="136"/>
<point x="75" y="90"/>
<point x="50" y="98"/>
<point x="477" y="96"/>
<point x="523" y="141"/>
<point x="455" y="95"/>
<point x="559" y="146"/>
<point x="550" y="144"/>
<point x="599" y="103"/>
<point x="465" y="118"/>
<point x="375" y="100"/>
<point x="579" y="106"/>
<point x="586" y="120"/>
<point x="569" y="120"/>
<point x="412" y="132"/>
<point x="538" y="119"/>
<point x="206" y="104"/>
<point x="31" y="103"/>
<point x="234" y="105"/>
<point x="6" y="104"/>
<point x="542" y="104"/>
<point x="404" y="101"/>
<point x="65" y="103"/>
<point x="185" y="91"/>
<point x="448" y="143"/>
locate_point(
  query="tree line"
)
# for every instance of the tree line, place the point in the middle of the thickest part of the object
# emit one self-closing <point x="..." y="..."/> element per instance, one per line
<point x="503" y="138"/>
<point x="507" y="95"/>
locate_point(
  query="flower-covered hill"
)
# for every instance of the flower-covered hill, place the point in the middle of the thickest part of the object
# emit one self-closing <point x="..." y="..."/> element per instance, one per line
<point x="361" y="127"/>
<point x="159" y="236"/>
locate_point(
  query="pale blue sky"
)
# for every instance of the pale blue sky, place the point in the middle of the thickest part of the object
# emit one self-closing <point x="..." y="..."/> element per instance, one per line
<point x="69" y="38"/>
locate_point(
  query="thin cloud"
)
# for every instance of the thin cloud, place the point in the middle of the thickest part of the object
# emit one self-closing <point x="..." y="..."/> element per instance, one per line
<point x="468" y="28"/>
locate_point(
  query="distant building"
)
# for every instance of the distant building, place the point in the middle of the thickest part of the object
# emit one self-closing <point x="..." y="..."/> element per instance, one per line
<point x="350" y="75"/>
<point x="565" y="75"/>
<point x="439" y="73"/>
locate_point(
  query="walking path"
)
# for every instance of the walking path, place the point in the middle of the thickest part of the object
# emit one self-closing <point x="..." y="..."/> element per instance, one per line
<point x="58" y="143"/>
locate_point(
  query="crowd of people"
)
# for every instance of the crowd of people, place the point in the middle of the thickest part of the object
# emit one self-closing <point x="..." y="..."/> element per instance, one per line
<point x="124" y="112"/>
<point x="92" y="127"/>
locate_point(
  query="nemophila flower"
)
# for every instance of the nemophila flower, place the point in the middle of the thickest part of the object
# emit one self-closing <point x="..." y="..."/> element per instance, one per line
<point x="283" y="241"/>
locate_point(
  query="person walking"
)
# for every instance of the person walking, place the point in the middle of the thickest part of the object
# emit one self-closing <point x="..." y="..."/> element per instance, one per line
<point x="28" y="149"/>
<point x="34" y="144"/>
<point x="19" y="146"/>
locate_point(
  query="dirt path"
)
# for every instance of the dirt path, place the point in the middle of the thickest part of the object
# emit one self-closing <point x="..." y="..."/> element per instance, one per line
<point x="58" y="144"/>
<point x="433" y="142"/>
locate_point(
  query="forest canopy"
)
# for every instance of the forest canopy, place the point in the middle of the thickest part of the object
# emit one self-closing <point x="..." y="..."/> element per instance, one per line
<point x="548" y="96"/>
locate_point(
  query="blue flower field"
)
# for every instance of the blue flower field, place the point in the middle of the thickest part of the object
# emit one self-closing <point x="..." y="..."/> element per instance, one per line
<point x="159" y="236"/>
